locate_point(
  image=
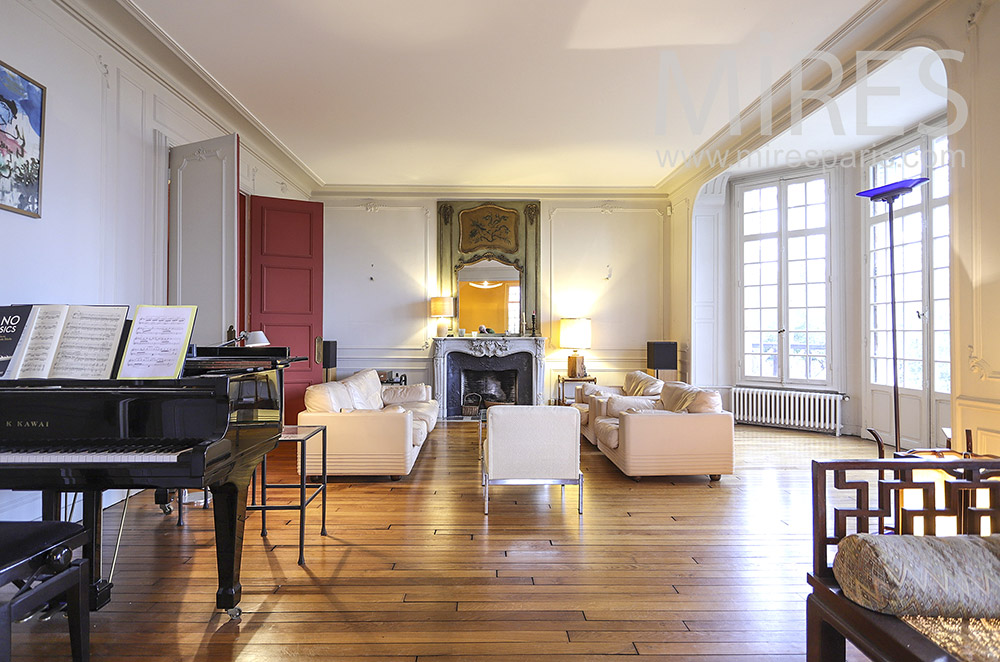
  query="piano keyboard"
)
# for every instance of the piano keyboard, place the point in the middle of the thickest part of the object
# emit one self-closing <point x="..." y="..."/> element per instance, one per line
<point x="166" y="453"/>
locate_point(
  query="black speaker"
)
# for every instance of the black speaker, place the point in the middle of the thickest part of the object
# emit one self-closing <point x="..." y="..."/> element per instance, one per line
<point x="329" y="353"/>
<point x="661" y="355"/>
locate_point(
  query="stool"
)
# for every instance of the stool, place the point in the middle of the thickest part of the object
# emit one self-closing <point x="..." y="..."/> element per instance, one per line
<point x="36" y="556"/>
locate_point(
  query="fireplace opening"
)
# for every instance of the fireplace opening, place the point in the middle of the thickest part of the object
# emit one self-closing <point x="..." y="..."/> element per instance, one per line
<point x="492" y="385"/>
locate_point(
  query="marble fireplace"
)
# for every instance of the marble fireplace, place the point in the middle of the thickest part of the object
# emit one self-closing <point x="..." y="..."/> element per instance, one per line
<point x="502" y="369"/>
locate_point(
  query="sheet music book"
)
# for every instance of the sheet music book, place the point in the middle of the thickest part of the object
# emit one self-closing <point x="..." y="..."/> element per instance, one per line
<point x="62" y="341"/>
<point x="13" y="320"/>
<point x="157" y="342"/>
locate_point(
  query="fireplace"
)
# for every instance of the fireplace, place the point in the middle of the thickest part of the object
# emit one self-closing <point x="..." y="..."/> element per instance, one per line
<point x="490" y="385"/>
<point x="500" y="369"/>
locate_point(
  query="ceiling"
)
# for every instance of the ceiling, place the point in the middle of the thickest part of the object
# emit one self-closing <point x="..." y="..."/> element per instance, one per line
<point x="492" y="93"/>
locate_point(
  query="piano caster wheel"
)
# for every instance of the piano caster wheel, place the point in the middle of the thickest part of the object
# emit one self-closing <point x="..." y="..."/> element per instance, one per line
<point x="234" y="613"/>
<point x="166" y="508"/>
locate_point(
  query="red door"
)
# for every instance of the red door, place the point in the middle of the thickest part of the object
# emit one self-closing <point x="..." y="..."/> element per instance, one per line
<point x="286" y="286"/>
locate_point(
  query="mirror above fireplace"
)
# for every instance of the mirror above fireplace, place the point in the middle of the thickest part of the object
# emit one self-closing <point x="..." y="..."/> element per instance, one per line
<point x="489" y="295"/>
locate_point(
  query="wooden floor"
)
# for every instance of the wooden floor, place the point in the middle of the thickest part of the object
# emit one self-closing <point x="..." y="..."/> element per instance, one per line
<point x="665" y="568"/>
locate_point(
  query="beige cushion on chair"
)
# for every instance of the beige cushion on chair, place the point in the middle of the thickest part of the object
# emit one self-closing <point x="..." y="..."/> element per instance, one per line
<point x="706" y="401"/>
<point x="328" y="397"/>
<point x="619" y="403"/>
<point x="677" y="396"/>
<point x="639" y="383"/>
<point x="365" y="389"/>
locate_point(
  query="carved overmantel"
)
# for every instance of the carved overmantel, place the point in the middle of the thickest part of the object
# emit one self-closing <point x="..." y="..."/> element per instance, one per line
<point x="488" y="347"/>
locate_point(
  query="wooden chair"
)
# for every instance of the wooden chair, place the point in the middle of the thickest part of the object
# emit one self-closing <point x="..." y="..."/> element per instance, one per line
<point x="37" y="558"/>
<point x="532" y="445"/>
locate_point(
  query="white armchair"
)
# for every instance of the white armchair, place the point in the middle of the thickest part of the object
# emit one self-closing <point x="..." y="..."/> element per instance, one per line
<point x="532" y="445"/>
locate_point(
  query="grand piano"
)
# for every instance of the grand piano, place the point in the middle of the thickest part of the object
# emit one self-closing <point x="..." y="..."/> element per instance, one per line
<point x="208" y="429"/>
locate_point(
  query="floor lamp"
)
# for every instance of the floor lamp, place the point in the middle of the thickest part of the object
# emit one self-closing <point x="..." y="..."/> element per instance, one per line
<point x="888" y="194"/>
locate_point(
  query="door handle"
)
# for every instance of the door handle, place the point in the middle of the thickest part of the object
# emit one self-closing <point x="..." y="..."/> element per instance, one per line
<point x="318" y="350"/>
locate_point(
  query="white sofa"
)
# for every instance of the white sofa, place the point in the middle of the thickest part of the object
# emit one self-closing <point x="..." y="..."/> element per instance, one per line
<point x="590" y="399"/>
<point x="684" y="432"/>
<point x="372" y="429"/>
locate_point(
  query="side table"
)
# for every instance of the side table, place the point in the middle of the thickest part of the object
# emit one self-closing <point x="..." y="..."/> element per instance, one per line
<point x="562" y="380"/>
<point x="297" y="434"/>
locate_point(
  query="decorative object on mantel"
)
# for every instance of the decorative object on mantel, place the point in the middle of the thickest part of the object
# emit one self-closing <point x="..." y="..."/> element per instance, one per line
<point x="574" y="333"/>
<point x="443" y="308"/>
<point x="22" y="118"/>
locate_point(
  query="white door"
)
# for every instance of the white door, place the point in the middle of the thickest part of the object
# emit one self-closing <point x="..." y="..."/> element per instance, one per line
<point x="203" y="266"/>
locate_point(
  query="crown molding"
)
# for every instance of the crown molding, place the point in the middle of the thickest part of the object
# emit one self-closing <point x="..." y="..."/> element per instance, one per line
<point x="486" y="192"/>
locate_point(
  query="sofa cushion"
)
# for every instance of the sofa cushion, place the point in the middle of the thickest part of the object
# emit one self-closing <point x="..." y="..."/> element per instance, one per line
<point x="677" y="396"/>
<point x="365" y="389"/>
<point x="328" y="397"/>
<point x="906" y="575"/>
<point x="584" y="410"/>
<point x="706" y="401"/>
<point x="606" y="431"/>
<point x="639" y="383"/>
<point x="423" y="411"/>
<point x="621" y="403"/>
<point x="395" y="394"/>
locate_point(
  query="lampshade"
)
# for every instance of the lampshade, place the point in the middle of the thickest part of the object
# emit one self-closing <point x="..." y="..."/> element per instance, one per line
<point x="574" y="333"/>
<point x="661" y="355"/>
<point x="256" y="339"/>
<point x="442" y="306"/>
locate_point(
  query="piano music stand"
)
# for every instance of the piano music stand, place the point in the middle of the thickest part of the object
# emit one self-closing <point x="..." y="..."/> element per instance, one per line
<point x="37" y="557"/>
<point x="298" y="434"/>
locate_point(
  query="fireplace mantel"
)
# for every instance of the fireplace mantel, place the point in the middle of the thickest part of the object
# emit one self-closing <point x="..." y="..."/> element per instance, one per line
<point x="492" y="346"/>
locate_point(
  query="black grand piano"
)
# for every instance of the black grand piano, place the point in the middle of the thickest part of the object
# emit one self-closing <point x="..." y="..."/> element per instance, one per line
<point x="210" y="428"/>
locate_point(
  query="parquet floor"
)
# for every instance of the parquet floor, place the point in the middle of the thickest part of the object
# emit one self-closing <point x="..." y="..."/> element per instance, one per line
<point x="665" y="568"/>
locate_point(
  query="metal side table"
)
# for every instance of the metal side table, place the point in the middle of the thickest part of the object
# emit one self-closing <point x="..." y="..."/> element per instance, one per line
<point x="297" y="434"/>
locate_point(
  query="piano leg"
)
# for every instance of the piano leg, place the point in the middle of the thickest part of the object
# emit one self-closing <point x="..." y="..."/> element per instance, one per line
<point x="230" y="518"/>
<point x="93" y="500"/>
<point x="93" y="521"/>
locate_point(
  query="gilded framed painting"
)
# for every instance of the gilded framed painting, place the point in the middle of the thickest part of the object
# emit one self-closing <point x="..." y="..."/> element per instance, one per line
<point x="22" y="119"/>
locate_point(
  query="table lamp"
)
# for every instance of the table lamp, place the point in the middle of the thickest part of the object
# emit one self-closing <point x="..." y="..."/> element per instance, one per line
<point x="443" y="308"/>
<point x="574" y="333"/>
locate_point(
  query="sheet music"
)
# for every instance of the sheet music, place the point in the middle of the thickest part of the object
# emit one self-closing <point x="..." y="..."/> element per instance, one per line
<point x="157" y="342"/>
<point x="89" y="342"/>
<point x="42" y="341"/>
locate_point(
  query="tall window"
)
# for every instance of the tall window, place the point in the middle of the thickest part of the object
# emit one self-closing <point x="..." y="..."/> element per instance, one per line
<point x="785" y="280"/>
<point x="922" y="252"/>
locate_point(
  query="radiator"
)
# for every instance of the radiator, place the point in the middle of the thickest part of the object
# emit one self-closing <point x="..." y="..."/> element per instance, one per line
<point x="803" y="410"/>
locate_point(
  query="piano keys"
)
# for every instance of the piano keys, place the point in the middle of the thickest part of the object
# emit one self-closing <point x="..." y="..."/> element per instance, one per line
<point x="209" y="428"/>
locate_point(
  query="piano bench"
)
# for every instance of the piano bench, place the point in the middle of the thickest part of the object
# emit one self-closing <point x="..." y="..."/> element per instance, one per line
<point x="37" y="558"/>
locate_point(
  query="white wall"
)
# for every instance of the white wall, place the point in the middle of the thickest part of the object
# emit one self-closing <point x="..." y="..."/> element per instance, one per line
<point x="109" y="118"/>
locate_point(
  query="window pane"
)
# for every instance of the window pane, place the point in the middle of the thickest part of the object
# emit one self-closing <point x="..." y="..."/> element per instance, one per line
<point x="941" y="222"/>
<point x="815" y="216"/>
<point x="751" y="200"/>
<point x="816" y="271"/>
<point x="751" y="320"/>
<point x="817" y="343"/>
<point x="796" y="219"/>
<point x="751" y="297"/>
<point x="751" y="223"/>
<point x="796" y="248"/>
<point x="796" y="194"/>
<point x="769" y="296"/>
<point x="769" y="197"/>
<point x="797" y="271"/>
<point x="817" y="319"/>
<point x="797" y="296"/>
<point x="816" y="191"/>
<point x="817" y="295"/>
<point x="769" y="366"/>
<point x="769" y="274"/>
<point x="797" y="367"/>
<point x="913" y="375"/>
<point x="797" y="343"/>
<point x="751" y="251"/>
<point x="751" y="274"/>
<point x="942" y="346"/>
<point x="797" y="319"/>
<point x="769" y="222"/>
<point x="768" y="250"/>
<point x="942" y="377"/>
<point x="768" y="319"/>
<point x="817" y="245"/>
<point x="751" y="343"/>
<point x="817" y="368"/>
<point x="752" y="365"/>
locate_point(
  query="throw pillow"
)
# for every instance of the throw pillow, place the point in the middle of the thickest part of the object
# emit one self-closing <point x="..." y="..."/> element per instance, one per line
<point x="327" y="397"/>
<point x="906" y="575"/>
<point x="706" y="402"/>
<point x="639" y="383"/>
<point x="365" y="389"/>
<point x="678" y="396"/>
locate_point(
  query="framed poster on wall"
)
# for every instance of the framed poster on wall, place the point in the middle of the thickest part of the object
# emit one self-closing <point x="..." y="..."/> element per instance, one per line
<point x="22" y="118"/>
